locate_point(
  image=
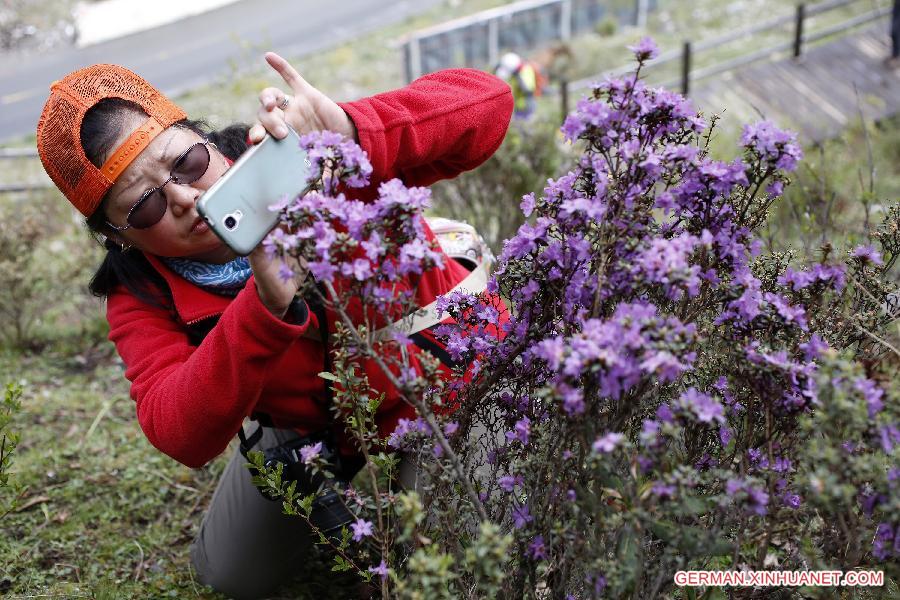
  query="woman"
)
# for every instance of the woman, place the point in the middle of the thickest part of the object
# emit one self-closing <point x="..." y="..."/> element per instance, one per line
<point x="208" y="339"/>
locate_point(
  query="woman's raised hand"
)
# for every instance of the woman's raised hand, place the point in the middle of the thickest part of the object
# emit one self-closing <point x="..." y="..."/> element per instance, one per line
<point x="307" y="109"/>
<point x="276" y="292"/>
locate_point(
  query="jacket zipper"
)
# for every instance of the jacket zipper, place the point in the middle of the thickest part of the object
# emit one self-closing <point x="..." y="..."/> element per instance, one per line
<point x="195" y="321"/>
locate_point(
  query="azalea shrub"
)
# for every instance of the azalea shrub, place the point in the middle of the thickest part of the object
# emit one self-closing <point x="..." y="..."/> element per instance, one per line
<point x="654" y="393"/>
<point x="43" y="257"/>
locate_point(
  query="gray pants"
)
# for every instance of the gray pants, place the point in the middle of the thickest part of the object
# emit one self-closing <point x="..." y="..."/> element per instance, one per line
<point x="246" y="547"/>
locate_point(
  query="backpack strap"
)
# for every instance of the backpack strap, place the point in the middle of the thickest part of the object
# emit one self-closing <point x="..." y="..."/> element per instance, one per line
<point x="247" y="443"/>
<point x="427" y="317"/>
<point x="411" y="325"/>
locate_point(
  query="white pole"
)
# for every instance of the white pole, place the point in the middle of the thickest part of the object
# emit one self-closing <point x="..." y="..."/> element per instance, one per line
<point x="415" y="58"/>
<point x="565" y="20"/>
<point x="642" y="8"/>
<point x="493" y="42"/>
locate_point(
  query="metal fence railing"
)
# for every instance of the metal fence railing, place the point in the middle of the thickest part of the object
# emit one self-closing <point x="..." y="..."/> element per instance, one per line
<point x="22" y="154"/>
<point x="794" y="43"/>
<point x="519" y="24"/>
<point x="480" y="39"/>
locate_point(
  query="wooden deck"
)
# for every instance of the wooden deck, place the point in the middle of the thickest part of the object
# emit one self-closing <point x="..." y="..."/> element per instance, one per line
<point x="817" y="96"/>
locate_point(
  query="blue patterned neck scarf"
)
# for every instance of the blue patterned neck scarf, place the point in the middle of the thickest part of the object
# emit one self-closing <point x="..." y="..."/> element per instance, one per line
<point x="227" y="279"/>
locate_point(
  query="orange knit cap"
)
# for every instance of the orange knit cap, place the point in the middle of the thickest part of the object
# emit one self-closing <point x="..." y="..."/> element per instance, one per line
<point x="59" y="130"/>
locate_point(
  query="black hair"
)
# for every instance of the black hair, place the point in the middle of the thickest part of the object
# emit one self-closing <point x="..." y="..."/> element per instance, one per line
<point x="101" y="127"/>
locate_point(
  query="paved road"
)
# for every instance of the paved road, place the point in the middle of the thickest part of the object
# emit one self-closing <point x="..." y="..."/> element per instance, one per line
<point x="197" y="49"/>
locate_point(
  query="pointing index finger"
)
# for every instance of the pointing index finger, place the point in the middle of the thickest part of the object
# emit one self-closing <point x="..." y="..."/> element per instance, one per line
<point x="287" y="72"/>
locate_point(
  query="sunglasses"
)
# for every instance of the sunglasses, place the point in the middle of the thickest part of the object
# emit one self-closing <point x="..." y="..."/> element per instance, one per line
<point x="190" y="166"/>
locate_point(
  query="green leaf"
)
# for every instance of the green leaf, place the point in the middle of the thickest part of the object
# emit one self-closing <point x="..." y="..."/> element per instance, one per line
<point x="341" y="565"/>
<point x="692" y="505"/>
<point x="328" y="376"/>
<point x="714" y="593"/>
<point x="628" y="559"/>
<point x="664" y="530"/>
<point x="257" y="458"/>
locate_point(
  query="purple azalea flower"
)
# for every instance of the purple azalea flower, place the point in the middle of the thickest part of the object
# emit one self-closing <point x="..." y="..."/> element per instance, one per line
<point x="792" y="501"/>
<point x="663" y="491"/>
<point x="646" y="49"/>
<point x="782" y="465"/>
<point x="798" y="280"/>
<point x="361" y="529"/>
<point x="775" y="189"/>
<point x="322" y="270"/>
<point x="285" y="273"/>
<point x="457" y="346"/>
<point x="664" y="413"/>
<point x="871" y="394"/>
<point x="776" y="146"/>
<point x="529" y="290"/>
<point x="599" y="584"/>
<point x="607" y="443"/>
<point x="666" y="262"/>
<point x="754" y="498"/>
<point x="758" y="500"/>
<point x="701" y="406"/>
<point x="787" y="311"/>
<point x="536" y="548"/>
<point x="521" y="516"/>
<point x="508" y="482"/>
<point x="814" y="348"/>
<point x="649" y="435"/>
<point x="521" y="431"/>
<point x="706" y="462"/>
<point x="407" y="428"/>
<point x="309" y="453"/>
<point x="527" y="204"/>
<point x="866" y="253"/>
<point x="889" y="435"/>
<point x="884" y="546"/>
<point x="381" y="570"/>
<point x="725" y="435"/>
<point x="573" y="399"/>
<point x="360" y="269"/>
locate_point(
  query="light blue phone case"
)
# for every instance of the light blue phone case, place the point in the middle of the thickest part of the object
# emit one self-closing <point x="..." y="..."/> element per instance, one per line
<point x="236" y="207"/>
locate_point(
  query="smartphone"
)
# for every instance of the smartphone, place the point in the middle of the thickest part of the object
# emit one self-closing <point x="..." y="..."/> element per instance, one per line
<point x="236" y="207"/>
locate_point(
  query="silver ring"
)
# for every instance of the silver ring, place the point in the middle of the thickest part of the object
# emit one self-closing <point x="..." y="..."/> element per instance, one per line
<point x="284" y="103"/>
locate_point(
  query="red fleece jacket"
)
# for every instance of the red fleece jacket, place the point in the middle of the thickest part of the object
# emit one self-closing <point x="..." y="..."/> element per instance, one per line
<point x="190" y="399"/>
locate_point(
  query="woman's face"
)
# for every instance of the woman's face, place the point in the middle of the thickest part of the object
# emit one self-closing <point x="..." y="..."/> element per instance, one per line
<point x="181" y="232"/>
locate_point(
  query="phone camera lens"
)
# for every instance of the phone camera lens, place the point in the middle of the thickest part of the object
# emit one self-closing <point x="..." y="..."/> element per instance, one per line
<point x="231" y="220"/>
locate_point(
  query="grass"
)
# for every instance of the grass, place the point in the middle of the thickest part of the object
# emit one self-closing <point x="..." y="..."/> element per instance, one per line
<point x="841" y="188"/>
<point x="105" y="515"/>
<point x="102" y="510"/>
